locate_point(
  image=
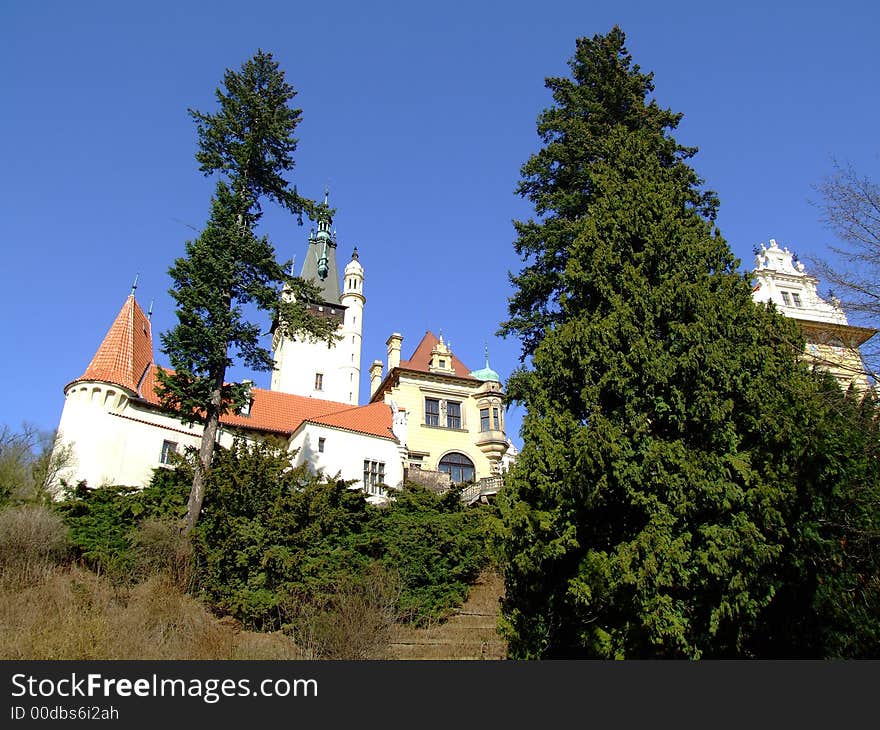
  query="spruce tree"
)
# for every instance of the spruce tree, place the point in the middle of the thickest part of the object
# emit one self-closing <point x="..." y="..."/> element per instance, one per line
<point x="647" y="510"/>
<point x="248" y="144"/>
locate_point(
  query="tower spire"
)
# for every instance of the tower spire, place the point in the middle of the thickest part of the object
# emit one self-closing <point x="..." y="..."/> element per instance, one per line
<point x="320" y="265"/>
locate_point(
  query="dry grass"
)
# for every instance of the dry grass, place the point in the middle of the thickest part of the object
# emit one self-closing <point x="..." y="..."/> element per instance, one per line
<point x="71" y="613"/>
<point x="160" y="547"/>
<point x="33" y="538"/>
<point x="52" y="611"/>
<point x="355" y="621"/>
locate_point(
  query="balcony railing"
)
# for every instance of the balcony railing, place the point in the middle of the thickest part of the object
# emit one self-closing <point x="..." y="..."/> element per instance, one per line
<point x="486" y="487"/>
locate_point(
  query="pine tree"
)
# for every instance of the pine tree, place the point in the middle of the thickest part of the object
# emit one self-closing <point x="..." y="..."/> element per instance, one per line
<point x="248" y="143"/>
<point x="646" y="512"/>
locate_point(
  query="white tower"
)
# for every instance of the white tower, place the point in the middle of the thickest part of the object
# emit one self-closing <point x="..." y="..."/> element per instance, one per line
<point x="316" y="369"/>
<point x="352" y="326"/>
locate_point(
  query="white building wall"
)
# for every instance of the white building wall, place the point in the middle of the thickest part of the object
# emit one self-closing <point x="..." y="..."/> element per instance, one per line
<point x="344" y="453"/>
<point x="116" y="442"/>
<point x="780" y="279"/>
<point x="298" y="361"/>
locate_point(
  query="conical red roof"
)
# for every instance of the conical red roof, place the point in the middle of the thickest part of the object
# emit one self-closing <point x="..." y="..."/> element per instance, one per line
<point x="126" y="351"/>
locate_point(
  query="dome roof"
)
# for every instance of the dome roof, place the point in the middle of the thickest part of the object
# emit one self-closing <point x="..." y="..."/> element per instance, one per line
<point x="354" y="266"/>
<point x="486" y="373"/>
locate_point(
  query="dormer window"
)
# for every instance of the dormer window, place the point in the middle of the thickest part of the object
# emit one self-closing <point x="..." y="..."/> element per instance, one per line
<point x="441" y="363"/>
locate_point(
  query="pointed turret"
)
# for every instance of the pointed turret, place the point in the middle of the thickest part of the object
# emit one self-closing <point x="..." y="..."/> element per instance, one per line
<point x="486" y="373"/>
<point x="126" y="351"/>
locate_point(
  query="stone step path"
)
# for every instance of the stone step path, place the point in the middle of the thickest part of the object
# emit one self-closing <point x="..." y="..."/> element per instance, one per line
<point x="470" y="633"/>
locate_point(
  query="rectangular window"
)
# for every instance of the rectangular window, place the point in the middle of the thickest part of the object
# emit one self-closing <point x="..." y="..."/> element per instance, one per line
<point x="786" y="299"/>
<point x="453" y="414"/>
<point x="321" y="442"/>
<point x="169" y="448"/>
<point x="484" y="420"/>
<point x="319" y="381"/>
<point x="797" y="300"/>
<point x="496" y="417"/>
<point x="441" y="363"/>
<point x="374" y="476"/>
<point x="432" y="412"/>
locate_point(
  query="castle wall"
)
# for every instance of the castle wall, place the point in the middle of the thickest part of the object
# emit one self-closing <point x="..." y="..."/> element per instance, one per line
<point x="115" y="440"/>
<point x="344" y="453"/>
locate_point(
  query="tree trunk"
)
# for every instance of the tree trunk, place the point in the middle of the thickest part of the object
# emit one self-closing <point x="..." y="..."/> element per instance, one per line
<point x="206" y="453"/>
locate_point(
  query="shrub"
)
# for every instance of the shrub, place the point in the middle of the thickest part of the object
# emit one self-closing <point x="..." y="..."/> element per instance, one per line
<point x="159" y="547"/>
<point x="32" y="538"/>
<point x="354" y="621"/>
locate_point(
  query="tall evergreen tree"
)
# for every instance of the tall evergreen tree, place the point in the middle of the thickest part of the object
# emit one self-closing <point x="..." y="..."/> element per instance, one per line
<point x="248" y="143"/>
<point x="646" y="512"/>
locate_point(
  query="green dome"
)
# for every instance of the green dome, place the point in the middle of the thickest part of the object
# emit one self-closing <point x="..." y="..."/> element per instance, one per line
<point x="486" y="373"/>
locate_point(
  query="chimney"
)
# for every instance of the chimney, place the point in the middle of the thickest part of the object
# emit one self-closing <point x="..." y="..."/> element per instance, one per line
<point x="375" y="376"/>
<point x="394" y="343"/>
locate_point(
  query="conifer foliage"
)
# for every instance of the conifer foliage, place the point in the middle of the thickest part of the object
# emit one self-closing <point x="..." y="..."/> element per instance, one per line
<point x="248" y="144"/>
<point x="663" y="442"/>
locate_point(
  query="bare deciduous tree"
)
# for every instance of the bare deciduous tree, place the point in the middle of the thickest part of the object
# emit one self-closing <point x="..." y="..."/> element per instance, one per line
<point x="850" y="207"/>
<point x="30" y="461"/>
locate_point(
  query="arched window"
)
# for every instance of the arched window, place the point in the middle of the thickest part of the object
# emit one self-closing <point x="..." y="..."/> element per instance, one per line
<point x="459" y="467"/>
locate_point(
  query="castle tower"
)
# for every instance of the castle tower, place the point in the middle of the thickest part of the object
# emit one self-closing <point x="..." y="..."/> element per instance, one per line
<point x="90" y="425"/>
<point x="352" y="326"/>
<point x="316" y="369"/>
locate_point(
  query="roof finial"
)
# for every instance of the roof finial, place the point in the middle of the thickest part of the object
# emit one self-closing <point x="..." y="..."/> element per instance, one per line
<point x="327" y="194"/>
<point x="487" y="354"/>
<point x="150" y="312"/>
<point x="135" y="285"/>
<point x="354" y="254"/>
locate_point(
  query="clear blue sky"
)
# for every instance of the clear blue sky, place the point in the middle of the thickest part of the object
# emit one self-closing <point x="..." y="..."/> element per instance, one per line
<point x="417" y="115"/>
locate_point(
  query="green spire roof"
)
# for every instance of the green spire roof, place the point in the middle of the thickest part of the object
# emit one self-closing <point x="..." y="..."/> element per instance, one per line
<point x="320" y="265"/>
<point x="486" y="373"/>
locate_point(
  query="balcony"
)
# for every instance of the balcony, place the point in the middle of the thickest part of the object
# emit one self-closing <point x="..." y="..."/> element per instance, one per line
<point x="481" y="491"/>
<point x="439" y="483"/>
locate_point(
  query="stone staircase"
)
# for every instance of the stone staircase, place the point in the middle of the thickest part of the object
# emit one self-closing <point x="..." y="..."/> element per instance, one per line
<point x="470" y="633"/>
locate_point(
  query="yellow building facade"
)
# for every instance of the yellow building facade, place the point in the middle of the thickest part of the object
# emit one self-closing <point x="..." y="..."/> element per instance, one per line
<point x="831" y="342"/>
<point x="455" y="416"/>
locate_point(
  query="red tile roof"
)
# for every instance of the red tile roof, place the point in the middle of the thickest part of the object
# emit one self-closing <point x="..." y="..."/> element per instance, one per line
<point x="125" y="358"/>
<point x="373" y="419"/>
<point x="270" y="410"/>
<point x="421" y="358"/>
<point x="126" y="350"/>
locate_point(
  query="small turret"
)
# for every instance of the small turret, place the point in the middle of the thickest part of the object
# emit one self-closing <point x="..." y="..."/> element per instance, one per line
<point x="486" y="373"/>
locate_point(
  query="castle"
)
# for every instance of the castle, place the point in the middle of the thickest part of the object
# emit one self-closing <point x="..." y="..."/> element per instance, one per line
<point x="429" y="418"/>
<point x="831" y="342"/>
